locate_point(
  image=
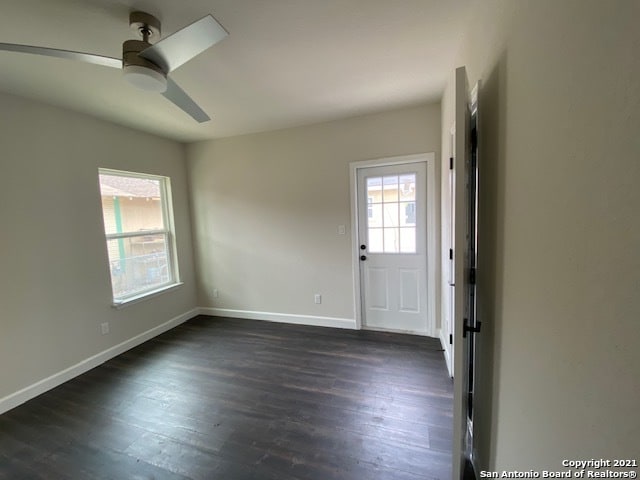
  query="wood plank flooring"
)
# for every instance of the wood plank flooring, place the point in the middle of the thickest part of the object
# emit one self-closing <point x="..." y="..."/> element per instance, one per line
<point x="231" y="399"/>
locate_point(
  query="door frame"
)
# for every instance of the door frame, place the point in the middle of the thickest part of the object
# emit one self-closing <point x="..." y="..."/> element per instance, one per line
<point x="432" y="197"/>
<point x="448" y="261"/>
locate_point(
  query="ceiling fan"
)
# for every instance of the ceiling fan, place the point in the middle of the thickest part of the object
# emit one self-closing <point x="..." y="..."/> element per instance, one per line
<point x="147" y="65"/>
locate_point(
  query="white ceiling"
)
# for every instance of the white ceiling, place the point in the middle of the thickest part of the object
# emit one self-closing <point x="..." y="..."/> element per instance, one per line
<point x="285" y="62"/>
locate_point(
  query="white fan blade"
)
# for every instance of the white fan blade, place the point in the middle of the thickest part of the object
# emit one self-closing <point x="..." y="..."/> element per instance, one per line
<point x="180" y="98"/>
<point x="181" y="46"/>
<point x="67" y="54"/>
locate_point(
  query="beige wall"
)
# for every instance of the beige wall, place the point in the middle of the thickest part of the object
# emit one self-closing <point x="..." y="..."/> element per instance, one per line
<point x="54" y="287"/>
<point x="266" y="209"/>
<point x="560" y="230"/>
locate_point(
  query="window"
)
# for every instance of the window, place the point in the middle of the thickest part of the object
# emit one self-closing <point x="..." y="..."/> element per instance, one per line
<point x="391" y="212"/>
<point x="138" y="226"/>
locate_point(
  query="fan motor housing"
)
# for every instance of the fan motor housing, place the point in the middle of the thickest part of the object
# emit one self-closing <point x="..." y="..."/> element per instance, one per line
<point x="130" y="51"/>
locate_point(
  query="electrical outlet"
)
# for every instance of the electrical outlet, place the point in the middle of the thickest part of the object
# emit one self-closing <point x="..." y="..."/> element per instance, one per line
<point x="215" y="293"/>
<point x="317" y="298"/>
<point x="104" y="328"/>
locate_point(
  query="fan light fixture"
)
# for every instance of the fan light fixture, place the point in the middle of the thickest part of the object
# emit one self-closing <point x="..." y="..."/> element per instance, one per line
<point x="145" y="78"/>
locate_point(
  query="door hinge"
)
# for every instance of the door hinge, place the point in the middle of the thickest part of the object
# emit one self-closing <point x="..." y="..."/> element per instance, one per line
<point x="450" y="339"/>
<point x="450" y="163"/>
<point x="451" y="254"/>
<point x="467" y="328"/>
<point x="472" y="276"/>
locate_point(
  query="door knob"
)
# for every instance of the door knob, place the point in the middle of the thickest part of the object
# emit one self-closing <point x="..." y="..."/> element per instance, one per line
<point x="363" y="247"/>
<point x="363" y="257"/>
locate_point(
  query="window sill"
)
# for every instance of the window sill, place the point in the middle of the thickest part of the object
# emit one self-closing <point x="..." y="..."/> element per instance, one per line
<point x="118" y="304"/>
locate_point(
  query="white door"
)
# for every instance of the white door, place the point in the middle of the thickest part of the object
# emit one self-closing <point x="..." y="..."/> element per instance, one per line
<point x="392" y="218"/>
<point x="466" y="325"/>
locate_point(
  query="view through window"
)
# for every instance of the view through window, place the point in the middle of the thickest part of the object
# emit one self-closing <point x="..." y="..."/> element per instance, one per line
<point x="391" y="213"/>
<point x="137" y="223"/>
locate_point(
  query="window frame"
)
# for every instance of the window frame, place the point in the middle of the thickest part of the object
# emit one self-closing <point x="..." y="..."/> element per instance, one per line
<point x="166" y="204"/>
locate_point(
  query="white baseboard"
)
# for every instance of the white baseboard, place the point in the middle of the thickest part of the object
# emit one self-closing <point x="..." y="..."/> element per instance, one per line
<point x="281" y="317"/>
<point x="32" y="391"/>
<point x="447" y="351"/>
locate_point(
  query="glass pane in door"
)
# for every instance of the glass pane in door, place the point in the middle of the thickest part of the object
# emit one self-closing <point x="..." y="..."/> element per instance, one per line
<point x="391" y="213"/>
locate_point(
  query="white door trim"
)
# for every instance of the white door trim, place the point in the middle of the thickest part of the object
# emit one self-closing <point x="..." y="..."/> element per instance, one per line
<point x="429" y="159"/>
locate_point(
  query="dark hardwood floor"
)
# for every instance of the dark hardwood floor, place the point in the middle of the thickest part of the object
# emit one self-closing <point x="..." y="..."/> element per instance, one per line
<point x="237" y="399"/>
